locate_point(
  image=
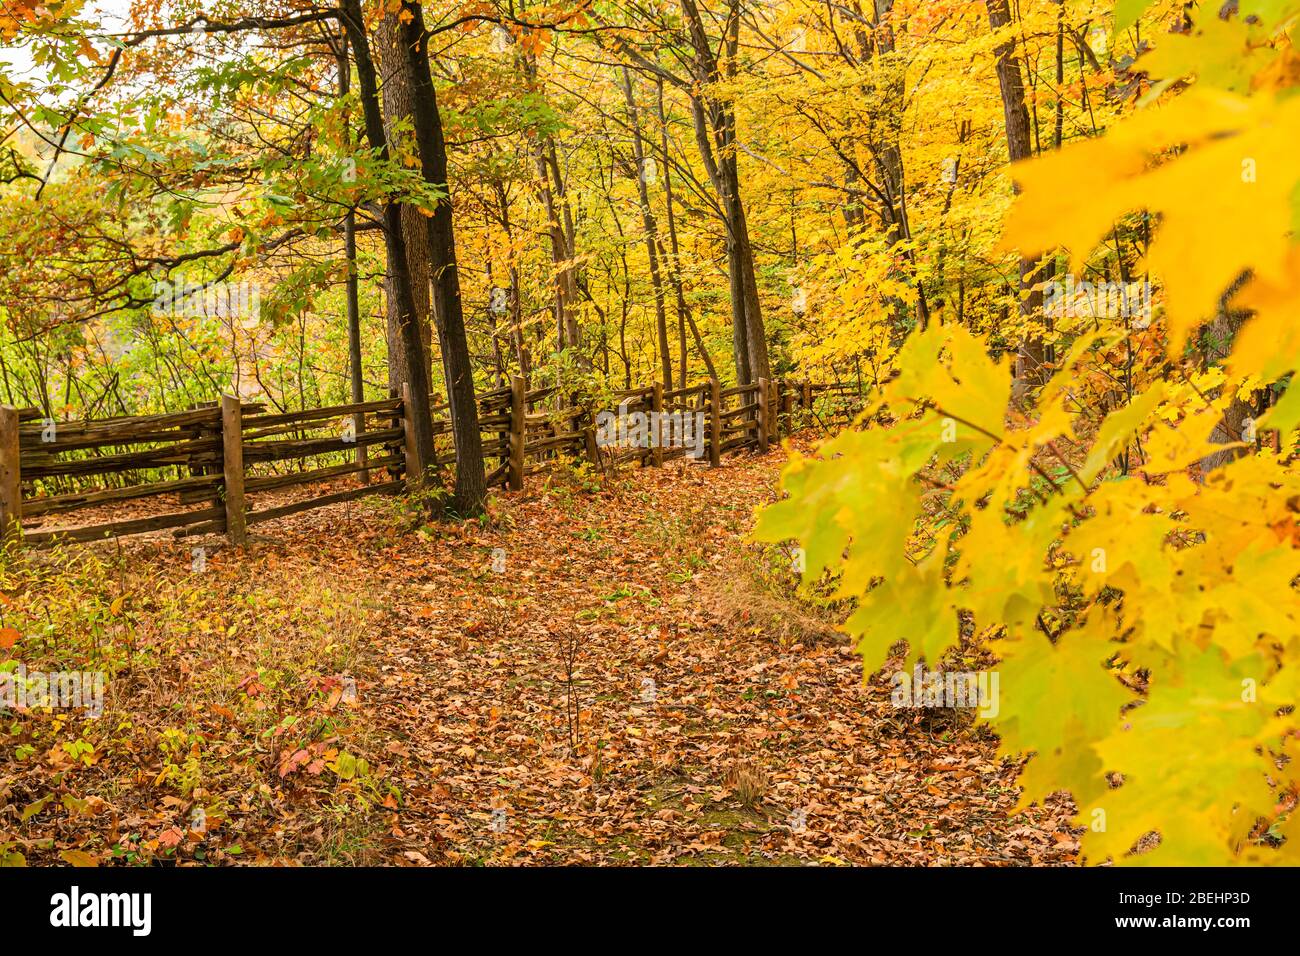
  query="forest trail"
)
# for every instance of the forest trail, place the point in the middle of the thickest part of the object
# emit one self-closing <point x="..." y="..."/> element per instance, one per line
<point x="586" y="675"/>
<point x="711" y="721"/>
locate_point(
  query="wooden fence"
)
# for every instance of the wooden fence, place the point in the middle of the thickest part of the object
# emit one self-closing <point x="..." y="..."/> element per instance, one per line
<point x="225" y="459"/>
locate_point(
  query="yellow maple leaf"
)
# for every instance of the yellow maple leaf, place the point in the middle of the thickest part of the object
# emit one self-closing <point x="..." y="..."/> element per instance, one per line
<point x="1223" y="197"/>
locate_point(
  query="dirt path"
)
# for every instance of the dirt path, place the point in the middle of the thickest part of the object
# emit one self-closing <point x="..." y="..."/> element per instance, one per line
<point x="709" y="722"/>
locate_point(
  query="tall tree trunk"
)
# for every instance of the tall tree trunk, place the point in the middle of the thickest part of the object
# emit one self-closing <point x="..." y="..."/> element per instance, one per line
<point x="420" y="414"/>
<point x="1030" y="362"/>
<point x="560" y="227"/>
<point x="651" y="233"/>
<point x="566" y="332"/>
<point x="674" y="261"/>
<point x="1217" y="339"/>
<point x="875" y="40"/>
<point x="471" y="486"/>
<point x="352" y="293"/>
<point x="715" y="135"/>
<point x="513" y="302"/>
<point x="759" y="361"/>
<point x="397" y="97"/>
<point x="568" y="277"/>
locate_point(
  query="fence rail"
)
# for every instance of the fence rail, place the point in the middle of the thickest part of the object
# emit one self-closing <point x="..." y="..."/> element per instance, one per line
<point x="223" y="459"/>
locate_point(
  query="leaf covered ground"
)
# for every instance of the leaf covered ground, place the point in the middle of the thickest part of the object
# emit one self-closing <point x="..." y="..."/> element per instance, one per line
<point x="596" y="673"/>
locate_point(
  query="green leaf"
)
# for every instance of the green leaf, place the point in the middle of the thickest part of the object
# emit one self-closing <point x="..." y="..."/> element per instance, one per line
<point x="1127" y="12"/>
<point x="1285" y="415"/>
<point x="1272" y="13"/>
<point x="35" y="807"/>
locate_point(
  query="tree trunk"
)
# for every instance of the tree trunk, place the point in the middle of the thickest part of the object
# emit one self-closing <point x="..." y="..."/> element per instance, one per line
<point x="1030" y="362"/>
<point x="420" y="415"/>
<point x="471" y="487"/>
<point x="560" y="228"/>
<point x="355" y="380"/>
<point x="397" y="105"/>
<point x="513" y="303"/>
<point x="888" y="158"/>
<point x="1217" y="339"/>
<point x="715" y="135"/>
<point x="568" y="275"/>
<point x="561" y="258"/>
<point x="684" y="317"/>
<point x="651" y="233"/>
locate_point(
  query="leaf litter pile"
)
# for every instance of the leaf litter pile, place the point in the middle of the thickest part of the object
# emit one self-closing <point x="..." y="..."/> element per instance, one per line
<point x="589" y="675"/>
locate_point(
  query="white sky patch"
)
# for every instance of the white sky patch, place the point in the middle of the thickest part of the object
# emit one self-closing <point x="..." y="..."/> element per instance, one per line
<point x="112" y="15"/>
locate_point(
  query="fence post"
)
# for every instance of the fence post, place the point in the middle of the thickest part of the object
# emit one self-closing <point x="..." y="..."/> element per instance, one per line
<point x="807" y="395"/>
<point x="358" y="429"/>
<point x="715" y="423"/>
<point x="515" y="467"/>
<point x="763" y="427"/>
<point x="656" y="425"/>
<point x="11" y="491"/>
<point x="780" y="425"/>
<point x="232" y="465"/>
<point x="774" y="411"/>
<point x="589" y="436"/>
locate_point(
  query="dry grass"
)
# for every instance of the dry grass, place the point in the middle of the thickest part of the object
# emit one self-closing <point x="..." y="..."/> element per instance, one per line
<point x="757" y="596"/>
<point x="747" y="782"/>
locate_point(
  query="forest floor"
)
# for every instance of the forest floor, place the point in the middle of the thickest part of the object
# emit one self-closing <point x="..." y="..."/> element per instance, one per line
<point x="589" y="675"/>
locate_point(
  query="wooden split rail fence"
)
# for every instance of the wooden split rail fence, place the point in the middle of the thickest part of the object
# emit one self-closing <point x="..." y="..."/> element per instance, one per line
<point x="225" y="458"/>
